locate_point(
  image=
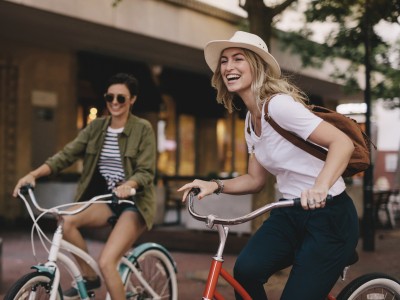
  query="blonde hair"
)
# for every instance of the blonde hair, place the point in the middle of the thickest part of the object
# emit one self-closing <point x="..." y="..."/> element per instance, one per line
<point x="263" y="86"/>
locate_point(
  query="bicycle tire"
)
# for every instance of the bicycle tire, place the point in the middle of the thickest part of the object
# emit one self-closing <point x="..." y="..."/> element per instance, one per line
<point x="34" y="285"/>
<point x="373" y="286"/>
<point x="157" y="269"/>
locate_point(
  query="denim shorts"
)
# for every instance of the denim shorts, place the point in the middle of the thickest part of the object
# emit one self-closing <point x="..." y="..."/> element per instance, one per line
<point x="118" y="209"/>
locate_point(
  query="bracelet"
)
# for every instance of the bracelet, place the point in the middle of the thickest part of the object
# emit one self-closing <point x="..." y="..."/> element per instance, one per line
<point x="220" y="184"/>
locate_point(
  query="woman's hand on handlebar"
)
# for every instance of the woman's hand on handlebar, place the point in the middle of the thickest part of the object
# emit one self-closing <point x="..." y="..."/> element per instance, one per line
<point x="30" y="178"/>
<point x="206" y="188"/>
<point x="124" y="191"/>
<point x="314" y="198"/>
<point x="27" y="179"/>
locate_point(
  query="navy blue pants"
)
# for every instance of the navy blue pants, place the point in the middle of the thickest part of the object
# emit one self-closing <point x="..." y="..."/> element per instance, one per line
<point x="318" y="244"/>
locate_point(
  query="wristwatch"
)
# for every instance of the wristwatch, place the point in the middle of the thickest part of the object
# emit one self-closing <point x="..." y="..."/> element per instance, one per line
<point x="220" y="187"/>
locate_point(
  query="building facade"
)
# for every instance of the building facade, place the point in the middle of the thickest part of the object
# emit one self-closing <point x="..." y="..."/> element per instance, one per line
<point x="55" y="57"/>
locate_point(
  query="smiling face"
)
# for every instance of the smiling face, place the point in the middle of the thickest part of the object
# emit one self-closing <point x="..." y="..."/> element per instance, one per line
<point x="235" y="71"/>
<point x="116" y="109"/>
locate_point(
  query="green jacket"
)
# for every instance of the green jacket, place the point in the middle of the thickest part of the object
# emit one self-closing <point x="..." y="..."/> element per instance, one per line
<point x="138" y="155"/>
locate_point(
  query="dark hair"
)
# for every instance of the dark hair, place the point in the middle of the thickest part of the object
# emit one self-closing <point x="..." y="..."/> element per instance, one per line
<point x="128" y="80"/>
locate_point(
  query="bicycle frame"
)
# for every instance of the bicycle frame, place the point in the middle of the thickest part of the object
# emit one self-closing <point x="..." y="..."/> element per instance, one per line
<point x="56" y="255"/>
<point x="216" y="270"/>
<point x="126" y="265"/>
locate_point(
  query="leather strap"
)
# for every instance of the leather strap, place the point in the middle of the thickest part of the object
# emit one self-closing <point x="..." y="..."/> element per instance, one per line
<point x="309" y="147"/>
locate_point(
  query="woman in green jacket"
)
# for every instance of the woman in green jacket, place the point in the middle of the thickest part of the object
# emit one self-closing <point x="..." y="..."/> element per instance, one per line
<point x="119" y="153"/>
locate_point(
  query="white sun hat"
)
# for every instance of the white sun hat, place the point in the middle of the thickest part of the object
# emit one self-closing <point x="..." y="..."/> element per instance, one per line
<point x="241" y="39"/>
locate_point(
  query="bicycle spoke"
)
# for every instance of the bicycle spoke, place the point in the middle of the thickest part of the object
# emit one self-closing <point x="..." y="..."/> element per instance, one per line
<point x="154" y="277"/>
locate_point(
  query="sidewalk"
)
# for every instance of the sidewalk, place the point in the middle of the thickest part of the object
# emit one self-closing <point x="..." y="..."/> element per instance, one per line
<point x="193" y="266"/>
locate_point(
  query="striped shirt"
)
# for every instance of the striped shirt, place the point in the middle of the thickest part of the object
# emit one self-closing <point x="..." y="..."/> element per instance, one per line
<point x="110" y="165"/>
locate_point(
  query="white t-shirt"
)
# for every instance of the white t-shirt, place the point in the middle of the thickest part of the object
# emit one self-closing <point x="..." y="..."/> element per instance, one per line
<point x="295" y="169"/>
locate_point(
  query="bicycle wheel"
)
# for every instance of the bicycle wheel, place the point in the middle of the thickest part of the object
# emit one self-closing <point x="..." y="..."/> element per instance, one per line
<point x="32" y="286"/>
<point x="374" y="286"/>
<point x="154" y="274"/>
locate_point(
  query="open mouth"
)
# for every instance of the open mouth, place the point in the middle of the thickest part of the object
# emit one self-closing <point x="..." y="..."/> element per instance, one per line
<point x="232" y="77"/>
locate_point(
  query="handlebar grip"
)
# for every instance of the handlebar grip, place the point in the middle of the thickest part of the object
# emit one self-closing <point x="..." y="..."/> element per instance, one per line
<point x="195" y="191"/>
<point x="25" y="188"/>
<point x="297" y="201"/>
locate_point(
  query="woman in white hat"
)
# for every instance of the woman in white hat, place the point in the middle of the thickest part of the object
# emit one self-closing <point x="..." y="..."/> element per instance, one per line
<point x="318" y="239"/>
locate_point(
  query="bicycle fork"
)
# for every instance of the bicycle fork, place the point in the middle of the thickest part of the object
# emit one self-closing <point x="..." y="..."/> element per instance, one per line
<point x="216" y="270"/>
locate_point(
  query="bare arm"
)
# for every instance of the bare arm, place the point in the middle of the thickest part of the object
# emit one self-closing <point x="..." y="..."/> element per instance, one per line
<point x="30" y="178"/>
<point x="251" y="182"/>
<point x="340" y="147"/>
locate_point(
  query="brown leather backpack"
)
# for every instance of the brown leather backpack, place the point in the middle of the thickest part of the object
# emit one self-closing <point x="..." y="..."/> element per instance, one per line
<point x="360" y="159"/>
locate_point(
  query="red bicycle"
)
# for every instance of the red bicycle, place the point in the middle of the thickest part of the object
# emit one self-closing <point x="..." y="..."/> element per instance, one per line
<point x="372" y="286"/>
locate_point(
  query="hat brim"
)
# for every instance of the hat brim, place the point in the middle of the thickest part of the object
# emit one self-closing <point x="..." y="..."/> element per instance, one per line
<point x="213" y="50"/>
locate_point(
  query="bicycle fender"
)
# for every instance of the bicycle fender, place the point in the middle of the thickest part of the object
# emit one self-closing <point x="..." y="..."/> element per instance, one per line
<point x="147" y="246"/>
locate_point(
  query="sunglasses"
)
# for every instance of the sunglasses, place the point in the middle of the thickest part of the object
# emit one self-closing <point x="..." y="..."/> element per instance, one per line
<point x="120" y="98"/>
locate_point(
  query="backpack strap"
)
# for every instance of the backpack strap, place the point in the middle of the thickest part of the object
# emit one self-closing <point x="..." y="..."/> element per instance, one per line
<point x="310" y="148"/>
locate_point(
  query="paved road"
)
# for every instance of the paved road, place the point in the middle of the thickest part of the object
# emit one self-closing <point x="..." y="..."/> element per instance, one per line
<point x="192" y="267"/>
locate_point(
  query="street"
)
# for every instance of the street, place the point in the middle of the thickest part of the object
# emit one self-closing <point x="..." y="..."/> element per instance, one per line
<point x="193" y="267"/>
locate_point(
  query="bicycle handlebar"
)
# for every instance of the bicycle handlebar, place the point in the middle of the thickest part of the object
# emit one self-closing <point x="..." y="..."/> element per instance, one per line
<point x="115" y="200"/>
<point x="211" y="219"/>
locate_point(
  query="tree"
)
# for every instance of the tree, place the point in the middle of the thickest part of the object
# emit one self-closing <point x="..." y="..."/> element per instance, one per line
<point x="354" y="37"/>
<point x="261" y="17"/>
<point x="350" y="30"/>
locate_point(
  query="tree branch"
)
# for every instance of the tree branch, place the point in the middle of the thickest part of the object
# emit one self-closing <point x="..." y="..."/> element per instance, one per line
<point x="281" y="7"/>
